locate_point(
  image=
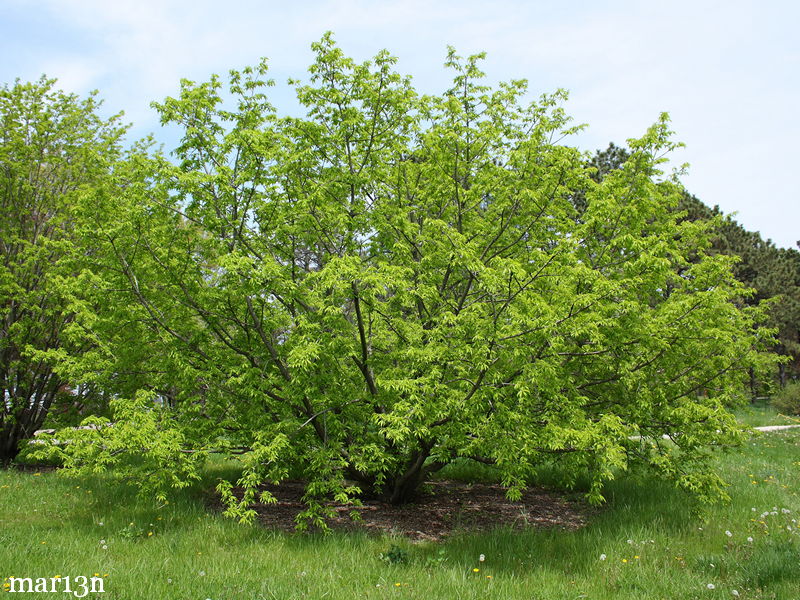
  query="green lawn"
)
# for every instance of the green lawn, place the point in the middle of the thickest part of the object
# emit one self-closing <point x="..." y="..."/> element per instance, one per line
<point x="651" y="545"/>
<point x="761" y="413"/>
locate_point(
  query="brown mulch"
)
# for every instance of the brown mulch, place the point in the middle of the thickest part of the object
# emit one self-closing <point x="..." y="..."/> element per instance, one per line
<point x="33" y="468"/>
<point x="450" y="506"/>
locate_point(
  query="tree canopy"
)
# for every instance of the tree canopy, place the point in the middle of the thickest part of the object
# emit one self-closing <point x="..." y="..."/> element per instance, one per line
<point x="359" y="296"/>
<point x="52" y="145"/>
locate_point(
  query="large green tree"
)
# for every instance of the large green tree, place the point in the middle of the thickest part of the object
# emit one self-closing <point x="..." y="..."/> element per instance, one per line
<point x="359" y="296"/>
<point x="52" y="146"/>
<point x="772" y="273"/>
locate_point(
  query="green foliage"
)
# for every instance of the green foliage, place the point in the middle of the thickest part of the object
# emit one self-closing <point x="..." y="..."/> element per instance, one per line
<point x="140" y="444"/>
<point x="395" y="555"/>
<point x="360" y="296"/>
<point x="787" y="399"/>
<point x="53" y="146"/>
<point x="773" y="273"/>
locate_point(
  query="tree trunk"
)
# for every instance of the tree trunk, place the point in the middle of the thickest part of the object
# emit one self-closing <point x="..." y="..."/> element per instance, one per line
<point x="9" y="447"/>
<point x="404" y="487"/>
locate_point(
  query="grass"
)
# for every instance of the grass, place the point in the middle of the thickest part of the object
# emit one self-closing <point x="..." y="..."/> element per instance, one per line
<point x="760" y="413"/>
<point x="653" y="547"/>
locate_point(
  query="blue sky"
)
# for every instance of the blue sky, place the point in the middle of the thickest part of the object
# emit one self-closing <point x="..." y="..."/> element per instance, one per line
<point x="727" y="72"/>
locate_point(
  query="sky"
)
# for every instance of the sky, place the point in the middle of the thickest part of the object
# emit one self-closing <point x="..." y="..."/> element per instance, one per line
<point x="727" y="72"/>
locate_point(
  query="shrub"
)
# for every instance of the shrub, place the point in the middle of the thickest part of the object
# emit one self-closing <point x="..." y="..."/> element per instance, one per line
<point x="787" y="399"/>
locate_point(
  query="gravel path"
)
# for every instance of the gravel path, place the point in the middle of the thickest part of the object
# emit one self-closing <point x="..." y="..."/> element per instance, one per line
<point x="775" y="427"/>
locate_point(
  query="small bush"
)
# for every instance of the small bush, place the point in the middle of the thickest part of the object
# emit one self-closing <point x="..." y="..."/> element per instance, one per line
<point x="395" y="555"/>
<point x="787" y="400"/>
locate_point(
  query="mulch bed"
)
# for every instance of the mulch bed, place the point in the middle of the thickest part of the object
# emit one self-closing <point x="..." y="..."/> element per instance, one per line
<point x="449" y="507"/>
<point x="34" y="468"/>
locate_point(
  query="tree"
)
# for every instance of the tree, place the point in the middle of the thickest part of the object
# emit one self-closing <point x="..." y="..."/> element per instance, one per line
<point x="773" y="273"/>
<point x="52" y="145"/>
<point x="360" y="296"/>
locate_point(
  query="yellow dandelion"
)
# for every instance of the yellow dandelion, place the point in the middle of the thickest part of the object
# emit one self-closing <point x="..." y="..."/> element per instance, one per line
<point x="624" y="560"/>
<point x="476" y="570"/>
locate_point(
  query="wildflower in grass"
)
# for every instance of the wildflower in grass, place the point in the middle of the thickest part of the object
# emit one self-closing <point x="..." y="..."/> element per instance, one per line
<point x="202" y="573"/>
<point x="481" y="558"/>
<point x="711" y="586"/>
<point x="728" y="533"/>
<point x="476" y="570"/>
<point x="105" y="547"/>
<point x="735" y="593"/>
<point x="624" y="560"/>
<point x="603" y="557"/>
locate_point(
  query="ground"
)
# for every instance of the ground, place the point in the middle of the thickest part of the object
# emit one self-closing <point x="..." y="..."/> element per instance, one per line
<point x="447" y="506"/>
